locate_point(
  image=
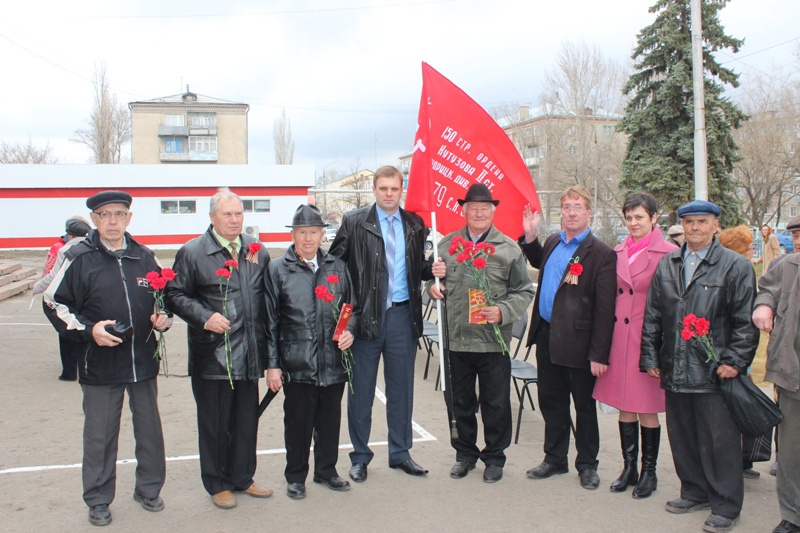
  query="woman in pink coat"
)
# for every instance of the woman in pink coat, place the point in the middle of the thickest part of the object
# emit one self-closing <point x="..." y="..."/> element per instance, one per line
<point x="638" y="397"/>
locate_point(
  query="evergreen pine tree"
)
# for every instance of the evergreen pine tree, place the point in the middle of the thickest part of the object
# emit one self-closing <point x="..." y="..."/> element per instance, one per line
<point x="659" y="118"/>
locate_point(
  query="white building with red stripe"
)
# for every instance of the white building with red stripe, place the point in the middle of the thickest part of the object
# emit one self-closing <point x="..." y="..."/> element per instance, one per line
<point x="170" y="202"/>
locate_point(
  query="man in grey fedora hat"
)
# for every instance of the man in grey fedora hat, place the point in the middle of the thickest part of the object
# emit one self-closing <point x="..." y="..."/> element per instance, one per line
<point x="301" y="350"/>
<point x="475" y="353"/>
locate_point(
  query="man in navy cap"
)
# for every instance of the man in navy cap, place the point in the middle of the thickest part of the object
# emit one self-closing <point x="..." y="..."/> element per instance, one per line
<point x="701" y="280"/>
<point x="100" y="299"/>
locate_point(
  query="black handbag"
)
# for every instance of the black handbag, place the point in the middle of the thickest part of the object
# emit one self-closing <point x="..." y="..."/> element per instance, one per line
<point x="753" y="411"/>
<point x="757" y="449"/>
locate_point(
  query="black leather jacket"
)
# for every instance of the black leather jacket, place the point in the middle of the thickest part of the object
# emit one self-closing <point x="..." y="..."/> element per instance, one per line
<point x="722" y="291"/>
<point x="359" y="243"/>
<point x="301" y="325"/>
<point x="94" y="285"/>
<point x="194" y="296"/>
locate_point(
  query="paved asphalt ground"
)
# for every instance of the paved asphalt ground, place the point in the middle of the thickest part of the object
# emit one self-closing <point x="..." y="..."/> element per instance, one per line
<point x="40" y="452"/>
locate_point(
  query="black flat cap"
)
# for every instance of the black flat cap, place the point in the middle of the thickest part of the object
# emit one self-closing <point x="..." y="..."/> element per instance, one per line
<point x="699" y="207"/>
<point x="108" y="197"/>
<point x="78" y="228"/>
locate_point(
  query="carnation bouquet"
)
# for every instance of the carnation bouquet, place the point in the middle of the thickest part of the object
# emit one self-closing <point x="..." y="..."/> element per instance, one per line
<point x="224" y="275"/>
<point x="158" y="282"/>
<point x="323" y="293"/>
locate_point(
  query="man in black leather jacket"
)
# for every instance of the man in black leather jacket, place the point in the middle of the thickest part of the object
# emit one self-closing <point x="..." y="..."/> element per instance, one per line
<point x="226" y="396"/>
<point x="303" y="352"/>
<point x="719" y="285"/>
<point x="390" y="323"/>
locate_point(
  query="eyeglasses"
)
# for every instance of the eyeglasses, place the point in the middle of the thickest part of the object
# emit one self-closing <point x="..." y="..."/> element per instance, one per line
<point x="105" y="215"/>
<point x="573" y="208"/>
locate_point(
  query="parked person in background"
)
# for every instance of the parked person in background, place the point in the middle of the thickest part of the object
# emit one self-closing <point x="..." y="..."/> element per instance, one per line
<point x="675" y="234"/>
<point x="572" y="326"/>
<point x="301" y="349"/>
<point x="77" y="228"/>
<point x="777" y="310"/>
<point x="637" y="395"/>
<point x="718" y="285"/>
<point x="102" y="285"/>
<point x="770" y="248"/>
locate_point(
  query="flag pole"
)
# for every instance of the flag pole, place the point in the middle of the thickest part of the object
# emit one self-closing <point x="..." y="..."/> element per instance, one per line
<point x="444" y="348"/>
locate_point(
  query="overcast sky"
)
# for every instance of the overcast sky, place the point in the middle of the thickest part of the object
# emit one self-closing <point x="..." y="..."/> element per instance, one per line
<point x="348" y="72"/>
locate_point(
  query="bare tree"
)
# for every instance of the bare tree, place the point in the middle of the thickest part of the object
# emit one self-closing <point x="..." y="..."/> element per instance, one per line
<point x="27" y="153"/>
<point x="282" y="136"/>
<point x="358" y="180"/>
<point x="109" y="126"/>
<point x="768" y="172"/>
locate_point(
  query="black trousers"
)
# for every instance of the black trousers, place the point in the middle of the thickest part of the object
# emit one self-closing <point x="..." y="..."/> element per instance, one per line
<point x="556" y="384"/>
<point x="227" y="427"/>
<point x="311" y="411"/>
<point x="493" y="372"/>
<point x="707" y="450"/>
<point x="69" y="358"/>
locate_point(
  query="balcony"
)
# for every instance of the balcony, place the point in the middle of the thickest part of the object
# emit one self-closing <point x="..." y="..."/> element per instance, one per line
<point x="173" y="131"/>
<point x="170" y="157"/>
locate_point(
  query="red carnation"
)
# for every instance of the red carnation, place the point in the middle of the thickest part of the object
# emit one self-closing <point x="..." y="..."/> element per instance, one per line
<point x="321" y="291"/>
<point x="686" y="334"/>
<point x="254" y="247"/>
<point x="479" y="263"/>
<point x="168" y="274"/>
<point x="328" y="297"/>
<point x="232" y="263"/>
<point x="576" y="269"/>
<point x="689" y="319"/>
<point x="223" y="273"/>
<point x="152" y="275"/>
<point x="333" y="279"/>
<point x="157" y="283"/>
<point x="702" y="326"/>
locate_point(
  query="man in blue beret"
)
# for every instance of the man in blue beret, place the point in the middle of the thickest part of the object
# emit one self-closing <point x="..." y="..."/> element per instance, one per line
<point x="703" y="282"/>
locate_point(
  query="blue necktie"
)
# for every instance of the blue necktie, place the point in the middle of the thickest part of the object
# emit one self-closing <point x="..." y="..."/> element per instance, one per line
<point x="390" y="260"/>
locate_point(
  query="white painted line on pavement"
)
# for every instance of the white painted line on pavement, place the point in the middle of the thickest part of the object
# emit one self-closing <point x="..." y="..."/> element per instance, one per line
<point x="424" y="437"/>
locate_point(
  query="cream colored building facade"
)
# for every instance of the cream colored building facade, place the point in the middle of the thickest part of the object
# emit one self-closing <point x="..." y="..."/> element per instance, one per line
<point x="189" y="128"/>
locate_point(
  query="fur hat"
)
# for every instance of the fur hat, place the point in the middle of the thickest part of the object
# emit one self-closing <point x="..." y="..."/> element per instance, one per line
<point x="737" y="239"/>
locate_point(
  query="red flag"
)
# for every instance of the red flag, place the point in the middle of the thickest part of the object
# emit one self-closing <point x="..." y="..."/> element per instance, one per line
<point x="458" y="144"/>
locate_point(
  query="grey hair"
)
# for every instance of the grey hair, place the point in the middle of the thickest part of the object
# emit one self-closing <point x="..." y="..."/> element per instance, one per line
<point x="223" y="193"/>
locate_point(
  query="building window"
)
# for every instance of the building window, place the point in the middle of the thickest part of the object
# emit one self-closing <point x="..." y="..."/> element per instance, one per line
<point x="793" y="211"/>
<point x="203" y="120"/>
<point x="608" y="131"/>
<point x="174" y="120"/>
<point x="203" y="144"/>
<point x="178" y="207"/>
<point x="175" y="145"/>
<point x="257" y="205"/>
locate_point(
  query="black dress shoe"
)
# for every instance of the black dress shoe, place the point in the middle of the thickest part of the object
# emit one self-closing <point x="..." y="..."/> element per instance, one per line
<point x="492" y="474"/>
<point x="410" y="467"/>
<point x="67" y="378"/>
<point x="358" y="472"/>
<point x="546" y="470"/>
<point x="786" y="527"/>
<point x="719" y="524"/>
<point x="154" y="505"/>
<point x="296" y="491"/>
<point x="99" y="515"/>
<point x="589" y="478"/>
<point x="333" y="483"/>
<point x="683" y="506"/>
<point x="461" y="469"/>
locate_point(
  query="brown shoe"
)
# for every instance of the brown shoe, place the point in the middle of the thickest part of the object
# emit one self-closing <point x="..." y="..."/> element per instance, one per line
<point x="224" y="499"/>
<point x="258" y="492"/>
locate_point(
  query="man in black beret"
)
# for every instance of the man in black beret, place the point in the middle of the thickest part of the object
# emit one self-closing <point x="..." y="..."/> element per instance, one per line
<point x="702" y="280"/>
<point x="100" y="299"/>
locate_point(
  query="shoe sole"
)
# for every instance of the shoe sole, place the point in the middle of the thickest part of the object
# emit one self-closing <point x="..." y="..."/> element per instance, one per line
<point x="99" y="522"/>
<point x="139" y="499"/>
<point x="343" y="488"/>
<point x="710" y="529"/>
<point x="530" y="475"/>
<point x="411" y="472"/>
<point x="492" y="480"/>
<point x="678" y="510"/>
<point x="296" y="496"/>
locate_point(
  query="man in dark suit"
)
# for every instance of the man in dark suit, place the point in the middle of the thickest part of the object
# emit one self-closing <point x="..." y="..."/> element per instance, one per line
<point x="574" y="313"/>
<point x="384" y="248"/>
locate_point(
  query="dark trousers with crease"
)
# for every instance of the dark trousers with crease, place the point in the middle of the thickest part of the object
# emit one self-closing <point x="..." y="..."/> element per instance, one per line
<point x="556" y="384"/>
<point x="311" y="412"/>
<point x="227" y="427"/>
<point x="102" y="408"/>
<point x="707" y="450"/>
<point x="493" y="372"/>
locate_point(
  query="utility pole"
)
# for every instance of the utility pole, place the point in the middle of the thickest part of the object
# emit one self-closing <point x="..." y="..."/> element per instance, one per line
<point x="698" y="78"/>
